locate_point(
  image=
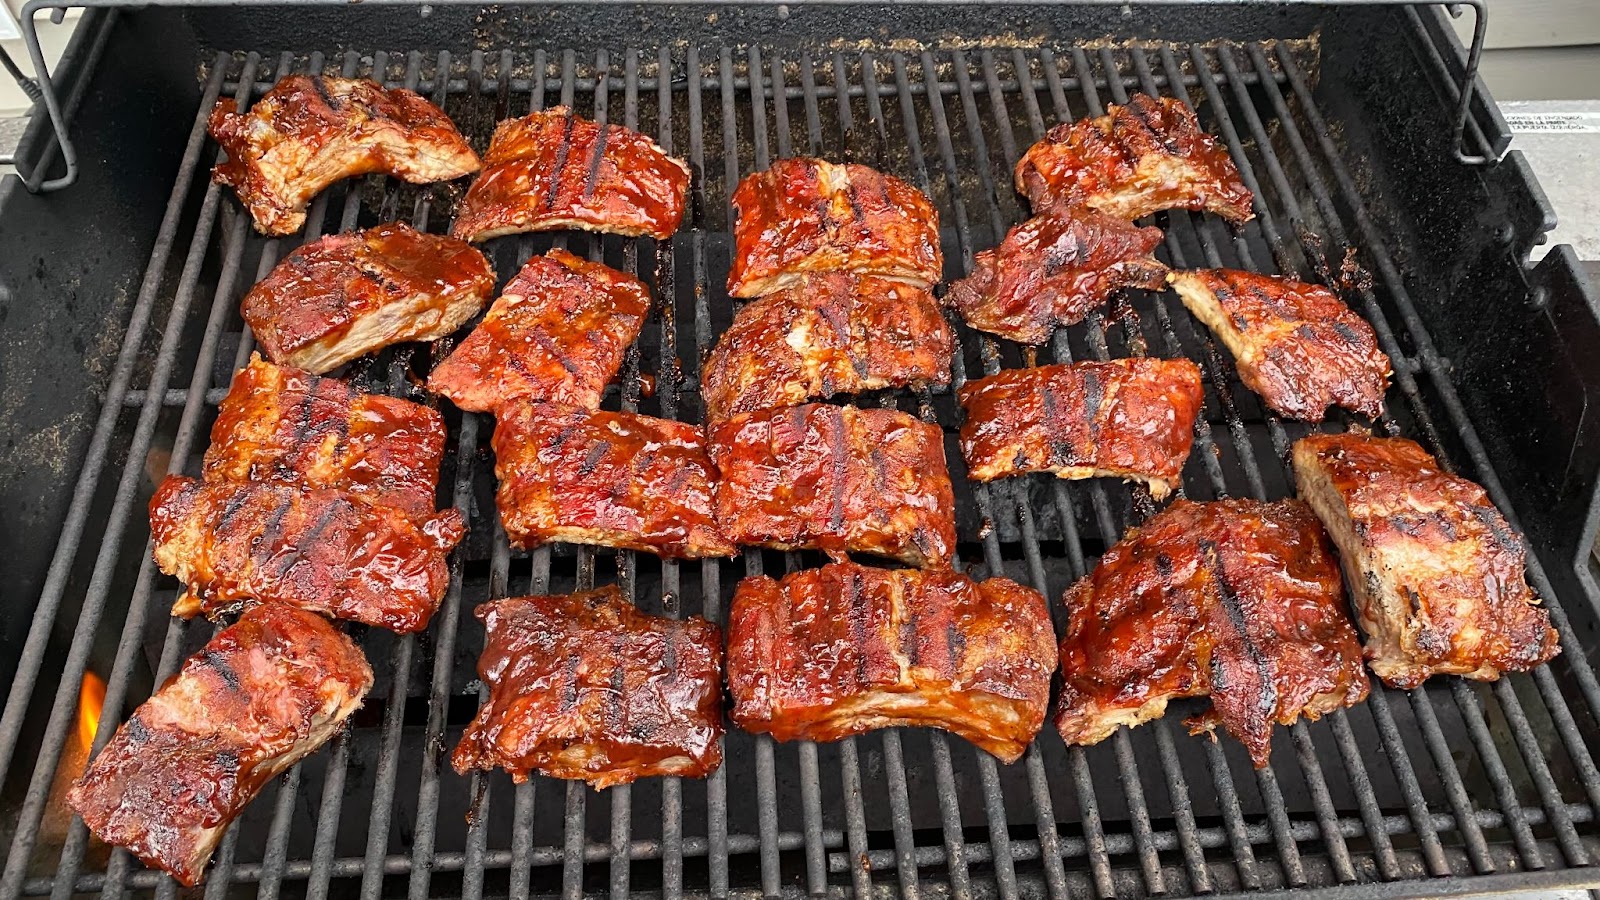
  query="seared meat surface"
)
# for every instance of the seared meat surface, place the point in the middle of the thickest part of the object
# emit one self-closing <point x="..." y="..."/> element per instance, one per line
<point x="1295" y="344"/>
<point x="845" y="649"/>
<point x="290" y="427"/>
<point x="1052" y="270"/>
<point x="614" y="479"/>
<point x="556" y="335"/>
<point x="1125" y="418"/>
<point x="1238" y="599"/>
<point x="1135" y="160"/>
<point x="348" y="295"/>
<point x="585" y="686"/>
<point x="837" y="479"/>
<point x="832" y="333"/>
<point x="810" y="215"/>
<point x="310" y="131"/>
<point x="1436" y="572"/>
<point x="264" y="693"/>
<point x="322" y="550"/>
<point x="552" y="169"/>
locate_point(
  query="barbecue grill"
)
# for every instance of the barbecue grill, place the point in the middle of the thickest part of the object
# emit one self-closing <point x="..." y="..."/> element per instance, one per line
<point x="1361" y="128"/>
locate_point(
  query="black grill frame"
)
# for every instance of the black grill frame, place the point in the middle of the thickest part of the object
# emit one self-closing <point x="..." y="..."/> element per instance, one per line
<point x="1325" y="847"/>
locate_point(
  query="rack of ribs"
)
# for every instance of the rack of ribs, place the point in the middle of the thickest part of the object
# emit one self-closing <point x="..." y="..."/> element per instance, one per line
<point x="1053" y="270"/>
<point x="1297" y="345"/>
<point x="810" y="215"/>
<point x="827" y="334"/>
<point x="552" y="170"/>
<point x="1236" y="599"/>
<point x="286" y="426"/>
<point x="609" y="478"/>
<point x="1148" y="155"/>
<point x="1123" y="418"/>
<point x="264" y="693"/>
<point x="324" y="550"/>
<point x="584" y="686"/>
<point x="310" y="131"/>
<point x="347" y="295"/>
<point x="556" y="335"/>
<point x="837" y="479"/>
<point x="1436" y="572"/>
<point x="845" y="649"/>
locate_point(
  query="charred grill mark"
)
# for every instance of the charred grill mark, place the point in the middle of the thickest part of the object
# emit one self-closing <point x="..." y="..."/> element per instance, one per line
<point x="1061" y="453"/>
<point x="308" y="539"/>
<point x="303" y="417"/>
<point x="553" y="347"/>
<point x="1267" y="700"/>
<point x="136" y="731"/>
<point x="1094" y="394"/>
<point x="595" y="158"/>
<point x="592" y="460"/>
<point x="218" y="663"/>
<point x="910" y="640"/>
<point x="955" y="641"/>
<point x="857" y="613"/>
<point x="1346" y="332"/>
<point x="1149" y="115"/>
<point x="569" y="682"/>
<point x="563" y="434"/>
<point x="563" y="150"/>
<point x="1497" y="528"/>
<point x="321" y="87"/>
<point x="619" y="683"/>
<point x="230" y="510"/>
<point x="272" y="532"/>
<point x="839" y="446"/>
<point x="857" y="213"/>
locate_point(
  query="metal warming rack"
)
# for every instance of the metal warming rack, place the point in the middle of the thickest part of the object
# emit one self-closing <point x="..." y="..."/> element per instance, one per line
<point x="1496" y="782"/>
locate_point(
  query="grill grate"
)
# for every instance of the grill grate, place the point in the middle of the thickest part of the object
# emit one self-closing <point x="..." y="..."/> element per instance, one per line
<point x="1454" y="779"/>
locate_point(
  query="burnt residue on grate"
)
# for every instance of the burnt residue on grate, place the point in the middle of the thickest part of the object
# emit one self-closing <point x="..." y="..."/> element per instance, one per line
<point x="1449" y="780"/>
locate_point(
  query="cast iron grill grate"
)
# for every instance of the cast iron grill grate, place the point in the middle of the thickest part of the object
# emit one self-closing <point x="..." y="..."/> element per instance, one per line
<point x="1455" y="779"/>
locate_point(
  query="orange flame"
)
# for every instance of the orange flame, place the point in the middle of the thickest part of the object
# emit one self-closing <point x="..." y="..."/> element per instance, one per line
<point x="91" y="699"/>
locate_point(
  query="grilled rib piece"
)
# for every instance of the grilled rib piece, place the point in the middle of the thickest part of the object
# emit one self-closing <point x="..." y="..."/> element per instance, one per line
<point x="312" y="130"/>
<point x="263" y="694"/>
<point x="1238" y="599"/>
<point x="607" y="478"/>
<point x="585" y="686"/>
<point x="1296" y="344"/>
<point x="810" y="215"/>
<point x="1137" y="159"/>
<point x="321" y="550"/>
<point x="286" y="426"/>
<point x="556" y="335"/>
<point x="837" y="479"/>
<point x="1126" y="418"/>
<point x="552" y="169"/>
<point x="348" y="295"/>
<point x="828" y="334"/>
<point x="1436" y="572"/>
<point x="1052" y="270"/>
<point x="844" y="649"/>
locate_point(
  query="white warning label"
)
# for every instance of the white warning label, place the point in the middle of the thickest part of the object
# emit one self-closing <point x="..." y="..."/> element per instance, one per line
<point x="1554" y="122"/>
